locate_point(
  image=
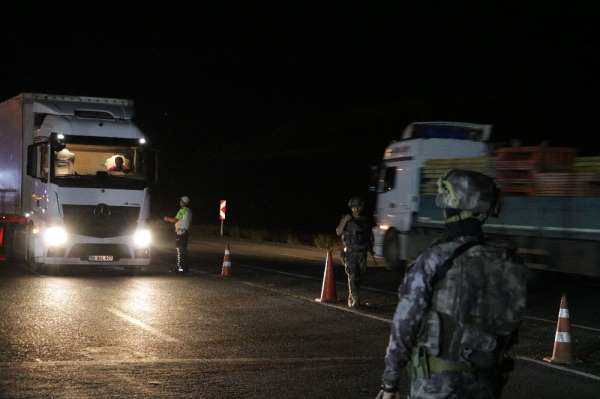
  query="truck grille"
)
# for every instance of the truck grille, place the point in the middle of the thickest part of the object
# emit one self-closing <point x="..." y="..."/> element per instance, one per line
<point x="83" y="251"/>
<point x="100" y="220"/>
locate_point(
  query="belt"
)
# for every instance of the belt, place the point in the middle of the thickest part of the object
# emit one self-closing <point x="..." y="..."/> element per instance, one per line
<point x="437" y="365"/>
<point x="423" y="365"/>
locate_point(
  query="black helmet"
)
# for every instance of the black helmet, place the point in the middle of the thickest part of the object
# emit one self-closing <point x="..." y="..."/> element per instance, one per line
<point x="469" y="191"/>
<point x="356" y="202"/>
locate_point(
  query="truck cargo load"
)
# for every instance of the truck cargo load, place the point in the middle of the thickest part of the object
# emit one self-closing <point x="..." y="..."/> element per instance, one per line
<point x="550" y="197"/>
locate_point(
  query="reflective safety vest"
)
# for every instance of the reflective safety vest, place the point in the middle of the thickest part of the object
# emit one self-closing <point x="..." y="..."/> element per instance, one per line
<point x="184" y="220"/>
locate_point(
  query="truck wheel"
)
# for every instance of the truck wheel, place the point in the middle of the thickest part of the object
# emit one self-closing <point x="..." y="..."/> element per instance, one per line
<point x="29" y="257"/>
<point x="391" y="252"/>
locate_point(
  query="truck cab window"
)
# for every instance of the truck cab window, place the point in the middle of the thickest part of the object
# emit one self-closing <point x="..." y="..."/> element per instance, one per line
<point x="43" y="171"/>
<point x="37" y="161"/>
<point x="387" y="179"/>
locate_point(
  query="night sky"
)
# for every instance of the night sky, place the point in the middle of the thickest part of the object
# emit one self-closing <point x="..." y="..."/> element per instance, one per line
<point x="282" y="109"/>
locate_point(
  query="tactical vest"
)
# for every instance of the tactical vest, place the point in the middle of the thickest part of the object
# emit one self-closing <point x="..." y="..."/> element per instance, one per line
<point x="476" y="306"/>
<point x="357" y="234"/>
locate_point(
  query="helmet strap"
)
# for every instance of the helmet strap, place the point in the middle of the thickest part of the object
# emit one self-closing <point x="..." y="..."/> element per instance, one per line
<point x="470" y="226"/>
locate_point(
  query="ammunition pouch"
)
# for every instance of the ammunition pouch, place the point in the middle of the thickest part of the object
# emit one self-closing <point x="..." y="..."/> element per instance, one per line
<point x="422" y="365"/>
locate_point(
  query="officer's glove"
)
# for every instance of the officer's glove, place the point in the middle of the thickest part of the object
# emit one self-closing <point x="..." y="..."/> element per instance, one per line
<point x="387" y="395"/>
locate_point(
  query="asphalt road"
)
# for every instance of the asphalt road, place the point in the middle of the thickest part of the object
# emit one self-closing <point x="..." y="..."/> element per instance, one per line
<point x="110" y="333"/>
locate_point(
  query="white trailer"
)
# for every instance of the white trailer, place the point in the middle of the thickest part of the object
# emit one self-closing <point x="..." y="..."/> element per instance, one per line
<point x="59" y="168"/>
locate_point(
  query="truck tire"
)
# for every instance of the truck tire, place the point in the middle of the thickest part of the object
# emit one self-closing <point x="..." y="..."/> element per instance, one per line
<point x="29" y="258"/>
<point x="391" y="252"/>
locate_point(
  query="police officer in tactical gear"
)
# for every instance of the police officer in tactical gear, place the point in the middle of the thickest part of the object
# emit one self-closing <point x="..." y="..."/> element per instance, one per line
<point x="460" y="304"/>
<point x="182" y="221"/>
<point x="357" y="236"/>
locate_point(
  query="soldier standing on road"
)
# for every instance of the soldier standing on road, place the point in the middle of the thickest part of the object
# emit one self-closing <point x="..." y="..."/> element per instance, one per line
<point x="182" y="221"/>
<point x="357" y="236"/>
<point x="460" y="304"/>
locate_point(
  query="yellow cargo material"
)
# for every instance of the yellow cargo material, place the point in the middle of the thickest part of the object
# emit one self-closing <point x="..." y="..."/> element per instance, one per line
<point x="587" y="164"/>
<point x="433" y="169"/>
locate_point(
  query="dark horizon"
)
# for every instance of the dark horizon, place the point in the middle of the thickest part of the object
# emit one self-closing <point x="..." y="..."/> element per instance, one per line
<point x="282" y="110"/>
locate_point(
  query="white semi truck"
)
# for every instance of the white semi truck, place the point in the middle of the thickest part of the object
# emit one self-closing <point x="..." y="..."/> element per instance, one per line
<point x="79" y="170"/>
<point x="554" y="218"/>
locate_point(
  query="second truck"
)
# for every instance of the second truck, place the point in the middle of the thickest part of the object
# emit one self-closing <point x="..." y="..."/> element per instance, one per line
<point x="550" y="198"/>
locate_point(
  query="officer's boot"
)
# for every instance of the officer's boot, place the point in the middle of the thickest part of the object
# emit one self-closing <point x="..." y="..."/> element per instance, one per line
<point x="183" y="267"/>
<point x="353" y="301"/>
<point x="179" y="260"/>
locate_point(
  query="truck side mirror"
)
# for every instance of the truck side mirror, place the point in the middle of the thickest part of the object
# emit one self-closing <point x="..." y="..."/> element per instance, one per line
<point x="151" y="165"/>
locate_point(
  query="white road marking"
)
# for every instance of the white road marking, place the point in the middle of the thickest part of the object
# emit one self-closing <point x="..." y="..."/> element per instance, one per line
<point x="389" y="321"/>
<point x="143" y="325"/>
<point x="561" y="368"/>
<point x="394" y="293"/>
<point x="331" y="305"/>
<point x="341" y="284"/>
<point x="554" y="322"/>
<point x="248" y="360"/>
<point x="372" y="289"/>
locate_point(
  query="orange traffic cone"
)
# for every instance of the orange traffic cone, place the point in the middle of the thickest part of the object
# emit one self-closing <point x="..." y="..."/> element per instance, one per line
<point x="226" y="269"/>
<point x="328" y="291"/>
<point x="562" y="352"/>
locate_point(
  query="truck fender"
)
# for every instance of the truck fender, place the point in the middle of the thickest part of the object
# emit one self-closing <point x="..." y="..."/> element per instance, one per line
<point x="392" y="251"/>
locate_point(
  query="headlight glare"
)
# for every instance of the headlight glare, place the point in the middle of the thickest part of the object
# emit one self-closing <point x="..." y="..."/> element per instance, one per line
<point x="55" y="236"/>
<point x="142" y="238"/>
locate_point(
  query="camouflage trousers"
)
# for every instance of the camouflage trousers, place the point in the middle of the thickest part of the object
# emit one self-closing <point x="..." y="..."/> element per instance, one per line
<point x="453" y="385"/>
<point x="356" y="266"/>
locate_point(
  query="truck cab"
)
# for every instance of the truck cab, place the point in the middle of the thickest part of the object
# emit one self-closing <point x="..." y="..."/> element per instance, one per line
<point x="400" y="173"/>
<point x="88" y="174"/>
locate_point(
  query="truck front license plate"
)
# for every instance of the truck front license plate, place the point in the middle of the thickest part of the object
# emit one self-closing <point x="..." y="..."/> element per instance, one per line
<point x="100" y="258"/>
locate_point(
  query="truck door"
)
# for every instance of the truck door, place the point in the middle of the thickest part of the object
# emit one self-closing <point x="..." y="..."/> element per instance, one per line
<point x="38" y="167"/>
<point x="397" y="198"/>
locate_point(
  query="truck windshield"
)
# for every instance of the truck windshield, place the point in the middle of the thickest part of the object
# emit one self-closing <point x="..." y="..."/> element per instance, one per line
<point x="431" y="131"/>
<point x="118" y="166"/>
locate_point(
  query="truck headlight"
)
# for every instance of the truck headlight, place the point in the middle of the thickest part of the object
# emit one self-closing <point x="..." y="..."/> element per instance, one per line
<point x="55" y="236"/>
<point x="142" y="238"/>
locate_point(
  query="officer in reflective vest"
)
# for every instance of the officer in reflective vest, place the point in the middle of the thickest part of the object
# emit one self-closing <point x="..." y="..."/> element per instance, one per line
<point x="182" y="221"/>
<point x="460" y="304"/>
